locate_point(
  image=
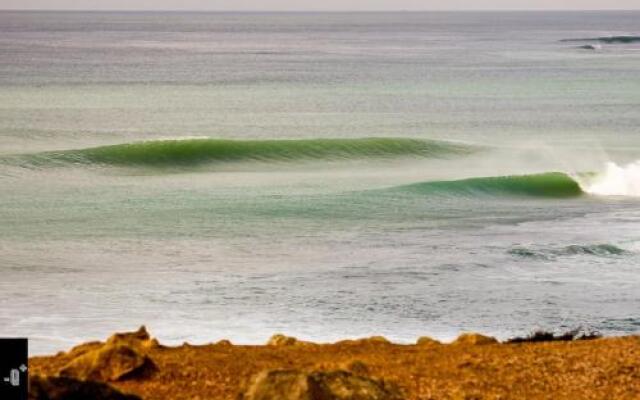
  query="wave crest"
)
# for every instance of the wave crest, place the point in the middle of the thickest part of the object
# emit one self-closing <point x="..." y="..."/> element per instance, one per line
<point x="607" y="39"/>
<point x="193" y="152"/>
<point x="551" y="185"/>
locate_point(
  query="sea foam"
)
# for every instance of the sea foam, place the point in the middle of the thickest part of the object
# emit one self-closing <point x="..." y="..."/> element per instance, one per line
<point x="616" y="180"/>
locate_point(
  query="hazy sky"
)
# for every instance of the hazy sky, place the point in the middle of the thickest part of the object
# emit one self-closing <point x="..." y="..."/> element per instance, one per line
<point x="317" y="4"/>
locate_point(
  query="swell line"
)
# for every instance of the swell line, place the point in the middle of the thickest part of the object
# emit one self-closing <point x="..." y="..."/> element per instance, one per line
<point x="195" y="152"/>
<point x="549" y="185"/>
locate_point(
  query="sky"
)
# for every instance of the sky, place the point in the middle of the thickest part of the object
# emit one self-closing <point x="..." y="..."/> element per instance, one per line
<point x="310" y="5"/>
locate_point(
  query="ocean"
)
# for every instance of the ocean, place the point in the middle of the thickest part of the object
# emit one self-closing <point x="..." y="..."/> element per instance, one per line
<point x="323" y="175"/>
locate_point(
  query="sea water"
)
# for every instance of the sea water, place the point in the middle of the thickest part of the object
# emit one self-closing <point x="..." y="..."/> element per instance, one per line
<point x="324" y="175"/>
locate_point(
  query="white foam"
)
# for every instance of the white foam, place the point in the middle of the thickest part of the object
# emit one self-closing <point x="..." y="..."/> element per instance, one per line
<point x="616" y="181"/>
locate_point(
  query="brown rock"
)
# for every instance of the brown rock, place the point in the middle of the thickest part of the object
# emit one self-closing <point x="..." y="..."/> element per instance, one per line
<point x="140" y="334"/>
<point x="335" y="385"/>
<point x="282" y="340"/>
<point x="111" y="362"/>
<point x="62" y="388"/>
<point x="139" y="339"/>
<point x="343" y="385"/>
<point x="375" y="339"/>
<point x="474" y="339"/>
<point x="83" y="348"/>
<point x="278" y="384"/>
<point x="426" y="341"/>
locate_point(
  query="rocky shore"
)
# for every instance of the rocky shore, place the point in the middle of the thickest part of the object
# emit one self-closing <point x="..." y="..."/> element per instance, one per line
<point x="133" y="365"/>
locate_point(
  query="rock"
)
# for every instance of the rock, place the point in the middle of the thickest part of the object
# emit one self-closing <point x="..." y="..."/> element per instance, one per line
<point x="83" y="348"/>
<point x="278" y="384"/>
<point x="111" y="362"/>
<point x="426" y="341"/>
<point x="375" y="339"/>
<point x="335" y="385"/>
<point x="138" y="339"/>
<point x="343" y="385"/>
<point x="282" y="340"/>
<point x="223" y="343"/>
<point x="151" y="344"/>
<point x="62" y="388"/>
<point x="123" y="356"/>
<point x="474" y="339"/>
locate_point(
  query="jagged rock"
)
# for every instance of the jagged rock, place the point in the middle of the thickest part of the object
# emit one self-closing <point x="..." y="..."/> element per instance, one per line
<point x="111" y="362"/>
<point x="474" y="339"/>
<point x="139" y="339"/>
<point x="123" y="356"/>
<point x="83" y="348"/>
<point x="426" y="341"/>
<point x="335" y="385"/>
<point x="62" y="388"/>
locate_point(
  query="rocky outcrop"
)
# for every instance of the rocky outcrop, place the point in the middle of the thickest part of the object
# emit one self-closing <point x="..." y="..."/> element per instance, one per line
<point x="319" y="385"/>
<point x="474" y="339"/>
<point x="81" y="349"/>
<point x="122" y="357"/>
<point x="140" y="339"/>
<point x="108" y="363"/>
<point x="62" y="388"/>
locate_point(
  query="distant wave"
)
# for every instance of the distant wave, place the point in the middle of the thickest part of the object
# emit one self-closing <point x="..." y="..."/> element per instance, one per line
<point x="194" y="152"/>
<point x="607" y="39"/>
<point x="549" y="185"/>
<point x="590" y="47"/>
<point x="598" y="250"/>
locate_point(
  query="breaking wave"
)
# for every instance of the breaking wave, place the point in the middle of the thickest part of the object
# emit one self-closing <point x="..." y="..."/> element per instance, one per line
<point x="549" y="185"/>
<point x="615" y="181"/>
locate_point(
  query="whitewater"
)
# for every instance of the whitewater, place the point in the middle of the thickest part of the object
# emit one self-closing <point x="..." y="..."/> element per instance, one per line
<point x="324" y="175"/>
<point x="616" y="180"/>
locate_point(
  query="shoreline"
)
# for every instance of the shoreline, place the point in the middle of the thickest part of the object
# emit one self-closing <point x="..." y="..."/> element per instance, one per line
<point x="472" y="367"/>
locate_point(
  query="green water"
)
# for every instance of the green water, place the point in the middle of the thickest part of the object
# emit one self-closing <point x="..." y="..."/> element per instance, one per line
<point x="325" y="175"/>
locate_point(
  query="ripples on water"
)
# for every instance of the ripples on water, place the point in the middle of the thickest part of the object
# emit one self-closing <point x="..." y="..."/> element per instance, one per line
<point x="441" y="172"/>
